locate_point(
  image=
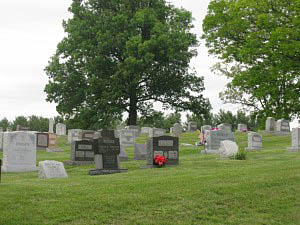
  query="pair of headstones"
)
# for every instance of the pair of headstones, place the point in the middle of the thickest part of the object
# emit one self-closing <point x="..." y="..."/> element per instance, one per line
<point x="280" y="127"/>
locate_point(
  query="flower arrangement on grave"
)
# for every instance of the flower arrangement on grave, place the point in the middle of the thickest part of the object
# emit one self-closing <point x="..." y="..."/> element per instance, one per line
<point x="160" y="160"/>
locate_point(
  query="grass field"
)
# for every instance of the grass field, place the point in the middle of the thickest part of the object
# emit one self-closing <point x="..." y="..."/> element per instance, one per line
<point x="203" y="189"/>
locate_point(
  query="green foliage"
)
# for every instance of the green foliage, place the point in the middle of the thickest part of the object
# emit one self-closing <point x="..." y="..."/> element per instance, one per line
<point x="241" y="155"/>
<point x="38" y="123"/>
<point x="4" y="123"/>
<point x="154" y="119"/>
<point x="20" y="120"/>
<point x="121" y="56"/>
<point x="258" y="42"/>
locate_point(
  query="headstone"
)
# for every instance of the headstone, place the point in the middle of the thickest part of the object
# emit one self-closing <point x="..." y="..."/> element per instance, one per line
<point x="213" y="140"/>
<point x="242" y="127"/>
<point x="228" y="149"/>
<point x="61" y="129"/>
<point x="270" y="124"/>
<point x="127" y="137"/>
<point x="9" y="129"/>
<point x="107" y="133"/>
<point x="145" y="130"/>
<point x="140" y="151"/>
<point x="21" y="128"/>
<point x="254" y="141"/>
<point x="52" y="169"/>
<point x="283" y="126"/>
<point x="52" y="143"/>
<point x="177" y="130"/>
<point x="51" y="124"/>
<point x="106" y="150"/>
<point x="87" y="134"/>
<point x="19" y="152"/>
<point x="123" y="155"/>
<point x="156" y="132"/>
<point x="295" y="140"/>
<point x="74" y="135"/>
<point x="166" y="146"/>
<point x="192" y="127"/>
<point x="82" y="153"/>
<point x="136" y="129"/>
<point x="42" y="140"/>
<point x="225" y="126"/>
<point x="171" y="130"/>
<point x="1" y="129"/>
<point x="1" y="141"/>
<point x="205" y="127"/>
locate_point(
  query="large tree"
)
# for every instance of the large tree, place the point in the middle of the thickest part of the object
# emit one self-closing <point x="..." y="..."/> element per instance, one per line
<point x="121" y="56"/>
<point x="258" y="43"/>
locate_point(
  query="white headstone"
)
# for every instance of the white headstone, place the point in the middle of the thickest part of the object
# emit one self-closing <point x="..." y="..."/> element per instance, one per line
<point x="19" y="152"/>
<point x="213" y="140"/>
<point x="242" y="127"/>
<point x="1" y="140"/>
<point x="270" y="124"/>
<point x="156" y="132"/>
<point x="51" y="124"/>
<point x="52" y="169"/>
<point x="127" y="137"/>
<point x="177" y="130"/>
<point x="225" y="126"/>
<point x="283" y="126"/>
<point x="135" y="129"/>
<point x="61" y="129"/>
<point x="295" y="140"/>
<point x="228" y="149"/>
<point x="254" y="141"/>
<point x="192" y="127"/>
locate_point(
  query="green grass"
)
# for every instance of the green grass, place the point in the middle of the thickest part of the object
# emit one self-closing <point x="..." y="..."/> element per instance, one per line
<point x="263" y="189"/>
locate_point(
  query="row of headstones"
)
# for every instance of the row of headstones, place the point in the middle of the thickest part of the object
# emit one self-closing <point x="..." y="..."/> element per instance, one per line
<point x="60" y="128"/>
<point x="281" y="126"/>
<point x="226" y="127"/>
<point x="19" y="151"/>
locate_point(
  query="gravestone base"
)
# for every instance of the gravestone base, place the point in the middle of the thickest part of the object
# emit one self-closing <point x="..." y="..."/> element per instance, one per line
<point x="54" y="150"/>
<point x="252" y="148"/>
<point x="293" y="149"/>
<point x="209" y="152"/>
<point x="78" y="163"/>
<point x="15" y="168"/>
<point x="106" y="171"/>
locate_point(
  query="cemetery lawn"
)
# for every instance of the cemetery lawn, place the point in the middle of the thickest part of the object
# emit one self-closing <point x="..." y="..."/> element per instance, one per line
<point x="203" y="189"/>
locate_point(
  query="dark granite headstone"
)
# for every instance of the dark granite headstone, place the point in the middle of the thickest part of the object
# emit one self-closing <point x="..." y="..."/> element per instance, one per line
<point x="82" y="153"/>
<point x="107" y="133"/>
<point x="107" y="150"/>
<point x="42" y="140"/>
<point x="166" y="146"/>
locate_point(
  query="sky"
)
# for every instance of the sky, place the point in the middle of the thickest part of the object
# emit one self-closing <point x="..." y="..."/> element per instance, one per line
<point x="30" y="32"/>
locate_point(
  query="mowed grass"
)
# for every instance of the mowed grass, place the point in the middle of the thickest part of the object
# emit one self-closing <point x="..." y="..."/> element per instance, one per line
<point x="203" y="189"/>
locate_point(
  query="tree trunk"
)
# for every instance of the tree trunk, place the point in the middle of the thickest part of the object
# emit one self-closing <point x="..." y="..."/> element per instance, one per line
<point x="132" y="111"/>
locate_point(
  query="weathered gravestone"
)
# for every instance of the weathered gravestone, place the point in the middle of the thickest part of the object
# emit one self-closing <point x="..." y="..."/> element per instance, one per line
<point x="135" y="129"/>
<point x="295" y="140"/>
<point x="270" y="124"/>
<point x="19" y="152"/>
<point x="176" y="130"/>
<point x="204" y="128"/>
<point x="61" y="129"/>
<point x="52" y="143"/>
<point x="51" y="169"/>
<point x="145" y="130"/>
<point x="283" y="127"/>
<point x="242" y="127"/>
<point x="140" y="151"/>
<point x="127" y="137"/>
<point x="225" y="126"/>
<point x="87" y="134"/>
<point x="42" y="140"/>
<point x="51" y="124"/>
<point x="228" y="149"/>
<point x="1" y="141"/>
<point x="213" y="140"/>
<point x="21" y="128"/>
<point x="106" y="150"/>
<point x="82" y="153"/>
<point x="1" y="129"/>
<point x="74" y="135"/>
<point x="192" y="127"/>
<point x="254" y="141"/>
<point x="166" y="146"/>
<point x="156" y="132"/>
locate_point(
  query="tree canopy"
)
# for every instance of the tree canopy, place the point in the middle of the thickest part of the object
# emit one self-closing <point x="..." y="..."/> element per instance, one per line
<point x="258" y="43"/>
<point x="122" y="56"/>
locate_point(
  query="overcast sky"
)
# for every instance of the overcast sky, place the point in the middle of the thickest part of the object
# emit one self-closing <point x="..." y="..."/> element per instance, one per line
<point x="30" y="31"/>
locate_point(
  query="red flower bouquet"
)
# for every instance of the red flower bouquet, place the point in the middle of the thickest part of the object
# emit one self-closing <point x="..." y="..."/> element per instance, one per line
<point x="160" y="160"/>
